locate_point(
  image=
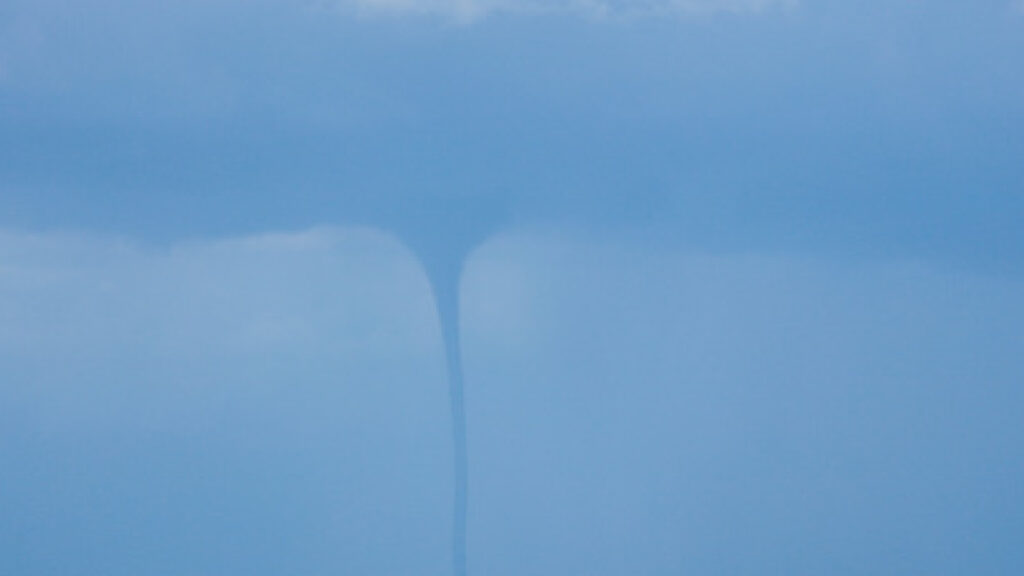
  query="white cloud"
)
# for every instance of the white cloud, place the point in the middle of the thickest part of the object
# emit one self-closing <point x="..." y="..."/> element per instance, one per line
<point x="471" y="10"/>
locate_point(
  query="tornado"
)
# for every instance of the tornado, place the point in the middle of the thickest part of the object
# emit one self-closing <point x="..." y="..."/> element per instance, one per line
<point x="442" y="237"/>
<point x="445" y="287"/>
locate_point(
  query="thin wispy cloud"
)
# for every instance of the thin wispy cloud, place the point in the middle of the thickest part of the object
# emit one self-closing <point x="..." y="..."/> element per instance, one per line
<point x="472" y="10"/>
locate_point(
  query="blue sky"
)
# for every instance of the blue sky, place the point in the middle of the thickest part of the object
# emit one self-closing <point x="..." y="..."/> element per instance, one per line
<point x="277" y="403"/>
<point x="742" y="288"/>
